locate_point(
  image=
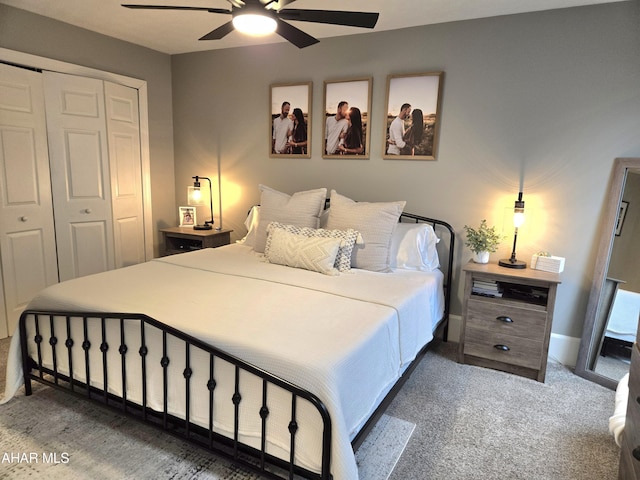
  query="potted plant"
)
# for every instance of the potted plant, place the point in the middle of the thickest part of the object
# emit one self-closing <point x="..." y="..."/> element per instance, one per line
<point x="482" y="241"/>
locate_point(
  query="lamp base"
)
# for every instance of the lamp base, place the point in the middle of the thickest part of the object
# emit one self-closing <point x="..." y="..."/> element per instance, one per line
<point x="206" y="226"/>
<point x="507" y="262"/>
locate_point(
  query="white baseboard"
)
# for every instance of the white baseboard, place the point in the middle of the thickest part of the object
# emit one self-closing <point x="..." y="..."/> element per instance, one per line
<point x="562" y="348"/>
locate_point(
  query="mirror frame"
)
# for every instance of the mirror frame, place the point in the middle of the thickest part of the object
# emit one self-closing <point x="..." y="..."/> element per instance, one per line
<point x="607" y="228"/>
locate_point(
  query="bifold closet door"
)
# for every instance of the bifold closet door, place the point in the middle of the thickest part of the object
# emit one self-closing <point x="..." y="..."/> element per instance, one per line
<point x="80" y="177"/>
<point x="27" y="237"/>
<point x="125" y="164"/>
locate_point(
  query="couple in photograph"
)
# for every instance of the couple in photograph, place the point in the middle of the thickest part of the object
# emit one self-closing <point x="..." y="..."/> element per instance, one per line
<point x="403" y="141"/>
<point x="343" y="131"/>
<point x="289" y="134"/>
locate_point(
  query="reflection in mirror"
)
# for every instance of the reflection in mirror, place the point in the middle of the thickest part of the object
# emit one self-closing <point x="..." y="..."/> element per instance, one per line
<point x="611" y="322"/>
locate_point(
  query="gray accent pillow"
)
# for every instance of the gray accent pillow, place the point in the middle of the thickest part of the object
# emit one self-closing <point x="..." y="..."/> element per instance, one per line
<point x="376" y="223"/>
<point x="302" y="209"/>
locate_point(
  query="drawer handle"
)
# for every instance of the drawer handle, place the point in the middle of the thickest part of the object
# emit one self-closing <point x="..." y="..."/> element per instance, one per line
<point x="505" y="319"/>
<point x="504" y="348"/>
<point x="636" y="453"/>
<point x="638" y="400"/>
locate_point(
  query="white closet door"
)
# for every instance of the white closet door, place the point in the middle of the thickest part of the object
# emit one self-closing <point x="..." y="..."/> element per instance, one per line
<point x="79" y="161"/>
<point x="123" y="127"/>
<point x="27" y="238"/>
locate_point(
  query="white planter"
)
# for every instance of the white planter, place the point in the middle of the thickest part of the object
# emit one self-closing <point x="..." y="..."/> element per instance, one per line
<point x="481" y="257"/>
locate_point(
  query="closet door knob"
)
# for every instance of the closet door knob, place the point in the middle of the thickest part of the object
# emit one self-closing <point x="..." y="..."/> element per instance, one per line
<point x="24" y="218"/>
<point x="87" y="210"/>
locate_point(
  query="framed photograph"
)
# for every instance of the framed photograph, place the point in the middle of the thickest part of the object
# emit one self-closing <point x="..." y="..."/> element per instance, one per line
<point x="345" y="130"/>
<point x="187" y="216"/>
<point x="412" y="116"/>
<point x="621" y="214"/>
<point x="290" y="120"/>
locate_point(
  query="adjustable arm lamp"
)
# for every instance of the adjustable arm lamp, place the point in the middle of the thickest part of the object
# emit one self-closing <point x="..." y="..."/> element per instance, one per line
<point x="518" y="220"/>
<point x="195" y="198"/>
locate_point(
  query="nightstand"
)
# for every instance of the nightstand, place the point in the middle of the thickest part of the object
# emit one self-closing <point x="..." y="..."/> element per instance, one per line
<point x="186" y="239"/>
<point x="506" y="318"/>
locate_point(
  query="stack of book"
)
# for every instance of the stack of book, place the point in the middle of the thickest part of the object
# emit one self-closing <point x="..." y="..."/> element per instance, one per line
<point x="487" y="288"/>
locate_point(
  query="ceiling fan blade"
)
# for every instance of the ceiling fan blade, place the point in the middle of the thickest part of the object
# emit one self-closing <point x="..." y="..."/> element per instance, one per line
<point x="169" y="7"/>
<point x="334" y="17"/>
<point x="276" y="4"/>
<point x="294" y="35"/>
<point x="219" y="32"/>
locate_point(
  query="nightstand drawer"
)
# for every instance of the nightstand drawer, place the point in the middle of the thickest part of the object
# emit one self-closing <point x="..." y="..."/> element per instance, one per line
<point x="503" y="348"/>
<point x="505" y="319"/>
<point x="187" y="239"/>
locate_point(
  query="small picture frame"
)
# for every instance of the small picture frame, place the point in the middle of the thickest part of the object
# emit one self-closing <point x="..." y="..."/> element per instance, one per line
<point x="345" y="128"/>
<point x="187" y="216"/>
<point x="290" y="120"/>
<point x="621" y="214"/>
<point x="412" y="116"/>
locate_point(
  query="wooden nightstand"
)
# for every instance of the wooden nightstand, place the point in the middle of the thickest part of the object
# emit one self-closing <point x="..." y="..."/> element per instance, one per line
<point x="507" y="328"/>
<point x="186" y="239"/>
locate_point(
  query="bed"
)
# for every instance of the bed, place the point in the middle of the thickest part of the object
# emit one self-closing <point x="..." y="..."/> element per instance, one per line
<point x="252" y="350"/>
<point x="622" y="324"/>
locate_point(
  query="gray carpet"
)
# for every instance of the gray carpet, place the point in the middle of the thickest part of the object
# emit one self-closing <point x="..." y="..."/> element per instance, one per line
<point x="476" y="423"/>
<point x="462" y="422"/>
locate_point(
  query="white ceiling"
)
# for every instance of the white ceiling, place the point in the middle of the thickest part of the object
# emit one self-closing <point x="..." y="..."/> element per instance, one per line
<point x="175" y="32"/>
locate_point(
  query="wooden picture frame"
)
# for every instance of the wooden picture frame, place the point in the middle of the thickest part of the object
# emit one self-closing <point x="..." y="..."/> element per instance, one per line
<point x="622" y="213"/>
<point x="187" y="216"/>
<point x="347" y="137"/>
<point x="422" y="92"/>
<point x="294" y="141"/>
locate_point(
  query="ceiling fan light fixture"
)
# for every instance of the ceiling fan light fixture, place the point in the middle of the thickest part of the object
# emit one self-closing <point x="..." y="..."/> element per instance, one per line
<point x="254" y="24"/>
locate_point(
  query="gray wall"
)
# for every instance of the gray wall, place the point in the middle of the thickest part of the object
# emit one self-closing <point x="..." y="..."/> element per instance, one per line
<point x="548" y="99"/>
<point x="545" y="99"/>
<point x="37" y="35"/>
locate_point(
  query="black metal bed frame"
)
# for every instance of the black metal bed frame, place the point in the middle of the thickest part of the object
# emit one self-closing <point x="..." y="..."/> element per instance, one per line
<point x="258" y="460"/>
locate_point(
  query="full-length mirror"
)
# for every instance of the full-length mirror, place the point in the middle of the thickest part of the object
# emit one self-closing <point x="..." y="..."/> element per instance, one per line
<point x="611" y="322"/>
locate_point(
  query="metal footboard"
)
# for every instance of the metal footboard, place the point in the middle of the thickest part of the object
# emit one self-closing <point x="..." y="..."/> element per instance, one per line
<point x="64" y="345"/>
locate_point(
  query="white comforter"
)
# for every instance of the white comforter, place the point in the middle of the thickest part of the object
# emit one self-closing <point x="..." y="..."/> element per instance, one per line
<point x="345" y="338"/>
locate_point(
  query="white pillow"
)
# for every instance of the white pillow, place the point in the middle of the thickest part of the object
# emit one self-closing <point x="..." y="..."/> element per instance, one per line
<point x="317" y="254"/>
<point x="251" y="223"/>
<point x="413" y="247"/>
<point x="349" y="238"/>
<point x="302" y="209"/>
<point x="375" y="222"/>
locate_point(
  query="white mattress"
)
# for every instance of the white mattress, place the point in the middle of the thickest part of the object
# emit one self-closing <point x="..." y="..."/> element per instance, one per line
<point x="345" y="338"/>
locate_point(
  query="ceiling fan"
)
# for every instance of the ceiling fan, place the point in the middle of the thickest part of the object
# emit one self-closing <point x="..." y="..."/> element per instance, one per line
<point x="271" y="12"/>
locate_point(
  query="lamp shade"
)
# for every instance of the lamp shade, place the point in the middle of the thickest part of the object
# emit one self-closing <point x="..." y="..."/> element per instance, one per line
<point x="254" y="24"/>
<point x="195" y="197"/>
<point x="518" y="220"/>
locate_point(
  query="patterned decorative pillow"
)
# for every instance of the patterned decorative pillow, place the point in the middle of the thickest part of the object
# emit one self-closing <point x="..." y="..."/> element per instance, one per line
<point x="349" y="237"/>
<point x="375" y="222"/>
<point x="317" y="254"/>
<point x="301" y="208"/>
